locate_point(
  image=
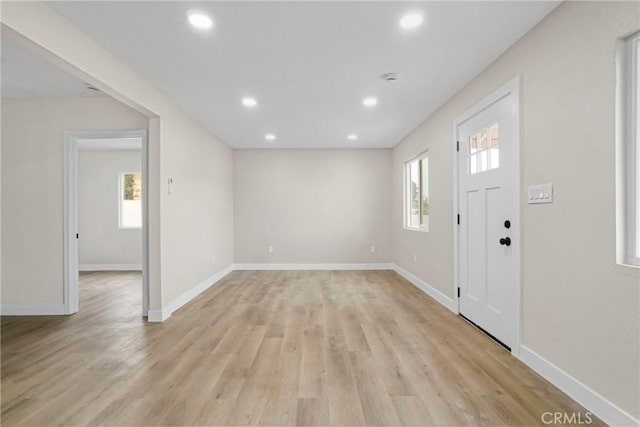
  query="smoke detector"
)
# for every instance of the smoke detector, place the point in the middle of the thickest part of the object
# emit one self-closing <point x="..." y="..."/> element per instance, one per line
<point x="91" y="87"/>
<point x="390" y="77"/>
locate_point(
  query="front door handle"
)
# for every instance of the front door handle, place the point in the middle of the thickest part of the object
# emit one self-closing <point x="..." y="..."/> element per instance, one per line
<point x="505" y="241"/>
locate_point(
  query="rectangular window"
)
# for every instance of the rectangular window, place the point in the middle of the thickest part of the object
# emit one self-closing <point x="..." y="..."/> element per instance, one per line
<point x="130" y="200"/>
<point x="631" y="139"/>
<point x="416" y="201"/>
<point x="484" y="149"/>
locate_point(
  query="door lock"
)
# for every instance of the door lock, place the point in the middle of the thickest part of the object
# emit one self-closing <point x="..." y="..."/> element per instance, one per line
<point x="505" y="241"/>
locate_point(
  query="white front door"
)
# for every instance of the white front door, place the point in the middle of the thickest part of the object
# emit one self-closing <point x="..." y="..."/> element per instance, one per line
<point x="487" y="164"/>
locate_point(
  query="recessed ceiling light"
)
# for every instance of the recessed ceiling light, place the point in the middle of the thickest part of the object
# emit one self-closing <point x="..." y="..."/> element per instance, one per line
<point x="199" y="20"/>
<point x="411" y="20"/>
<point x="352" y="137"/>
<point x="249" y="102"/>
<point x="370" y="101"/>
<point x="270" y="137"/>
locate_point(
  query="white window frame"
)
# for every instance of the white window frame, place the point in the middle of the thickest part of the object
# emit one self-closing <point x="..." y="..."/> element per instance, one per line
<point x="406" y="209"/>
<point x="121" y="199"/>
<point x="631" y="148"/>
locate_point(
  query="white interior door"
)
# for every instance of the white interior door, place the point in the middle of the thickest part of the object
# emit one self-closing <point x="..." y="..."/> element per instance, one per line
<point x="487" y="233"/>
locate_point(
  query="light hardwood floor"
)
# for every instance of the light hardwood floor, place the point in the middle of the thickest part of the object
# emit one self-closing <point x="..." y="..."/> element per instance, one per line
<point x="266" y="348"/>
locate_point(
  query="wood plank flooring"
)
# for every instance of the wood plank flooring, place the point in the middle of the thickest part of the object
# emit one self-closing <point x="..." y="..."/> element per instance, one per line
<point x="266" y="348"/>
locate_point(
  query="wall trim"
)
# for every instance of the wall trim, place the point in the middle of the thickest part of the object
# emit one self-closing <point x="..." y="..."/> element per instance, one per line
<point x="115" y="143"/>
<point x="427" y="289"/>
<point x="315" y="266"/>
<point x="157" y="315"/>
<point x="585" y="396"/>
<point x="110" y="267"/>
<point x="166" y="311"/>
<point x="32" y="310"/>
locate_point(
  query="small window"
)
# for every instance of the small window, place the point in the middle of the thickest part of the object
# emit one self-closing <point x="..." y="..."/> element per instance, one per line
<point x="484" y="149"/>
<point x="416" y="204"/>
<point x="130" y="200"/>
<point x="631" y="140"/>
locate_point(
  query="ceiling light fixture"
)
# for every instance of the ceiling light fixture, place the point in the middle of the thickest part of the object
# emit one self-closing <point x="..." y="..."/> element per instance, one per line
<point x="352" y="137"/>
<point x="411" y="20"/>
<point x="249" y="102"/>
<point x="270" y="137"/>
<point x="370" y="101"/>
<point x="390" y="77"/>
<point x="91" y="87"/>
<point x="199" y="20"/>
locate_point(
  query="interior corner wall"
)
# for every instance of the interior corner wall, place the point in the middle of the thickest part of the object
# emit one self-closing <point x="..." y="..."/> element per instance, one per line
<point x="579" y="309"/>
<point x="198" y="217"/>
<point x="312" y="206"/>
<point x="103" y="243"/>
<point x="32" y="188"/>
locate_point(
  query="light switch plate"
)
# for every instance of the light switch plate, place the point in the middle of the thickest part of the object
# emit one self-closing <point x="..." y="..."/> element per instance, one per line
<point x="542" y="193"/>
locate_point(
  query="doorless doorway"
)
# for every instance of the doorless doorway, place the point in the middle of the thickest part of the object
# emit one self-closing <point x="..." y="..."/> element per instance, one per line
<point x="102" y="140"/>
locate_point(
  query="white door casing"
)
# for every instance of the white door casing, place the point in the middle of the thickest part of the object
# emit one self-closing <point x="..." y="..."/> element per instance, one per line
<point x="488" y="249"/>
<point x="107" y="139"/>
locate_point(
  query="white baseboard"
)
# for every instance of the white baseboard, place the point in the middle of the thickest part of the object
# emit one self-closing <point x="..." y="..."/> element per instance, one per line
<point x="157" y="315"/>
<point x="165" y="313"/>
<point x="594" y="402"/>
<point x="32" y="310"/>
<point x="110" y="267"/>
<point x="427" y="289"/>
<point x="315" y="266"/>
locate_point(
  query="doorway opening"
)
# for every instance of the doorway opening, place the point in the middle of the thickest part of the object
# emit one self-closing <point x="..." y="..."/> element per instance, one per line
<point x="105" y="208"/>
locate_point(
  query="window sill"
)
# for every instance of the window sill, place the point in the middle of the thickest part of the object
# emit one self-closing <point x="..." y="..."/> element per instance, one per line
<point x="422" y="230"/>
<point x="626" y="269"/>
<point x="629" y="264"/>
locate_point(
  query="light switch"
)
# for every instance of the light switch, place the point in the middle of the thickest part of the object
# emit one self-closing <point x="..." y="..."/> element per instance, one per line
<point x="542" y="193"/>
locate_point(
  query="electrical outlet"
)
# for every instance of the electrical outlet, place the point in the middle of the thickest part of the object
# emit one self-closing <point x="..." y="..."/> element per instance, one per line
<point x="271" y="249"/>
<point x="372" y="249"/>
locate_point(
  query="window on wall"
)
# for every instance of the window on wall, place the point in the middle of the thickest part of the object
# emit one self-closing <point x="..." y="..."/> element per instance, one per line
<point x="416" y="201"/>
<point x="130" y="201"/>
<point x="631" y="138"/>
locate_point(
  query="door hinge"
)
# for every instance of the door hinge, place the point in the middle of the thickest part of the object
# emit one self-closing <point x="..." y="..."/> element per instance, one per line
<point x="457" y="145"/>
<point x="458" y="219"/>
<point x="458" y="291"/>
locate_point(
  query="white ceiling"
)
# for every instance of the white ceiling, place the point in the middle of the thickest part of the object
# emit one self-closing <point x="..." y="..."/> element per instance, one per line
<point x="27" y="75"/>
<point x="309" y="64"/>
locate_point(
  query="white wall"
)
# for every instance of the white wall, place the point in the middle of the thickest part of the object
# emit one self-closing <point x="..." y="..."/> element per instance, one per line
<point x="102" y="242"/>
<point x="313" y="206"/>
<point x="198" y="217"/>
<point x="32" y="188"/>
<point x="580" y="310"/>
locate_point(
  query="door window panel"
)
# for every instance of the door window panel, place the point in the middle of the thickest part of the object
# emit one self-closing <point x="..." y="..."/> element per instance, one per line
<point x="484" y="149"/>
